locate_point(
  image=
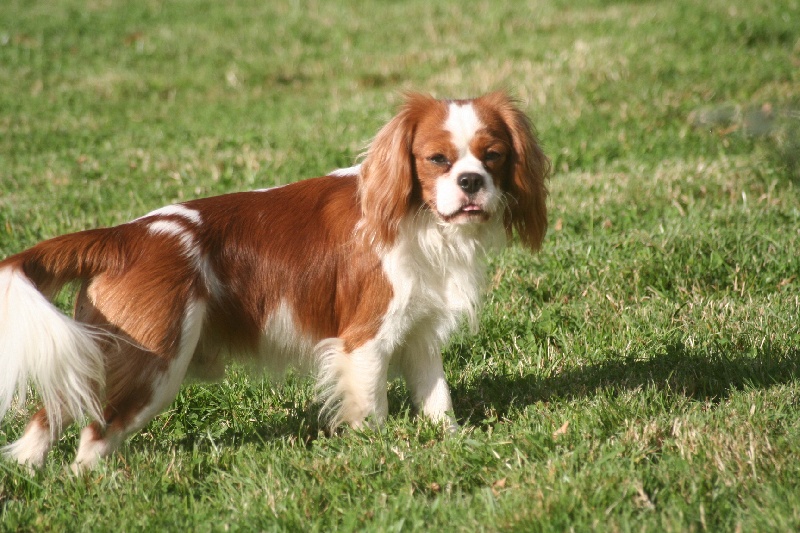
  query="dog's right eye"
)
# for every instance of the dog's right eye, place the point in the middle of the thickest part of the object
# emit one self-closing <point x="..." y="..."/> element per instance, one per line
<point x="439" y="159"/>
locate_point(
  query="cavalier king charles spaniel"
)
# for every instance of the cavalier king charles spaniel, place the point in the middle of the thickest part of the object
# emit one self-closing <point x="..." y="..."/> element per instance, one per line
<point x="355" y="277"/>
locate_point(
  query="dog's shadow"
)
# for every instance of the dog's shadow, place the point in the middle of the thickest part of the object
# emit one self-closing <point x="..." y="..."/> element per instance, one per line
<point x="678" y="369"/>
<point x="479" y="401"/>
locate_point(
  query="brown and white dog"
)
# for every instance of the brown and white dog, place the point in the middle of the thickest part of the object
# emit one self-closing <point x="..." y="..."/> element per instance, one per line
<point x="352" y="276"/>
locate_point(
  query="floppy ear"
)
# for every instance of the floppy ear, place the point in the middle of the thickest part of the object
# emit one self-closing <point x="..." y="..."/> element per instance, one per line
<point x="525" y="186"/>
<point x="387" y="174"/>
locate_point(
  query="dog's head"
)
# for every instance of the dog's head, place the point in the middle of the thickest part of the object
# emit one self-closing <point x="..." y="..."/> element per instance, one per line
<point x="467" y="161"/>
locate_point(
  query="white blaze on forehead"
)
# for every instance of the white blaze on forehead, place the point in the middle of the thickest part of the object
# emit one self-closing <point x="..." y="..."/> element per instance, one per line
<point x="177" y="210"/>
<point x="462" y="123"/>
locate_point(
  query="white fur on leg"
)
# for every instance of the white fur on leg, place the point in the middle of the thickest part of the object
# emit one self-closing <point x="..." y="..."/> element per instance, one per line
<point x="352" y="385"/>
<point x="424" y="374"/>
<point x="435" y="403"/>
<point x="93" y="447"/>
<point x="32" y="447"/>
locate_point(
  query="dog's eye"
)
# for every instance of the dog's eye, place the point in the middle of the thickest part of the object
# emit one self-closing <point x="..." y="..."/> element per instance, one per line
<point x="439" y="159"/>
<point x="491" y="156"/>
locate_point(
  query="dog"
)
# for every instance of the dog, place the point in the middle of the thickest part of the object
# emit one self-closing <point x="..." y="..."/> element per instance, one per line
<point x="355" y="276"/>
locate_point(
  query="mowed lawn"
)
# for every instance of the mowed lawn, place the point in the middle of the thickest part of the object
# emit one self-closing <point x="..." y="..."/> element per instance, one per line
<point x="641" y="373"/>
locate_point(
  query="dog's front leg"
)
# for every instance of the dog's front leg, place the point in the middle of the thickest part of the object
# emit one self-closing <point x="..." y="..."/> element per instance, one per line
<point x="423" y="371"/>
<point x="353" y="384"/>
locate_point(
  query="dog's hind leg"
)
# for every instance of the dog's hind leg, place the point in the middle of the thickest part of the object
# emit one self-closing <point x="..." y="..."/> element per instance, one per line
<point x="32" y="447"/>
<point x="140" y="383"/>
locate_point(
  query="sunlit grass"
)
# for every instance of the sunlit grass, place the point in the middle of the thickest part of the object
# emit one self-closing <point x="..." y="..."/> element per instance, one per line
<point x="640" y="373"/>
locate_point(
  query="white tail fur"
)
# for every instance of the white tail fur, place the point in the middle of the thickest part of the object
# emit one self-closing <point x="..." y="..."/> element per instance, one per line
<point x="38" y="343"/>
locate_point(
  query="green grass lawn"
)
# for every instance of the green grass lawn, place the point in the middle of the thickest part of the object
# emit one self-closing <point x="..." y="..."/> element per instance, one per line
<point x="641" y="373"/>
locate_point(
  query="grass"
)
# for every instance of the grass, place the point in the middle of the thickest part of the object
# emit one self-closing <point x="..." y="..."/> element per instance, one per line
<point x="641" y="373"/>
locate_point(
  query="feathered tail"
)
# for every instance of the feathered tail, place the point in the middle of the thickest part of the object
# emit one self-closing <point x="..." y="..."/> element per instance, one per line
<point x="39" y="344"/>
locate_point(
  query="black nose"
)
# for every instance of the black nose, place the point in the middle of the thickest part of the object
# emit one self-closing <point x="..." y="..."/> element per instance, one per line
<point x="470" y="182"/>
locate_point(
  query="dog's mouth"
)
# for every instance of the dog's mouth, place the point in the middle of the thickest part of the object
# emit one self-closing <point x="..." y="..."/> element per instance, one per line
<point x="470" y="212"/>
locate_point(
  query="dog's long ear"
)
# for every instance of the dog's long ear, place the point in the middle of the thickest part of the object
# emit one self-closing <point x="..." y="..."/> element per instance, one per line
<point x="387" y="173"/>
<point x="525" y="186"/>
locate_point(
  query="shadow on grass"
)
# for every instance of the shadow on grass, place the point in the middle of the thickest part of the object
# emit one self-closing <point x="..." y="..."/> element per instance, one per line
<point x="678" y="370"/>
